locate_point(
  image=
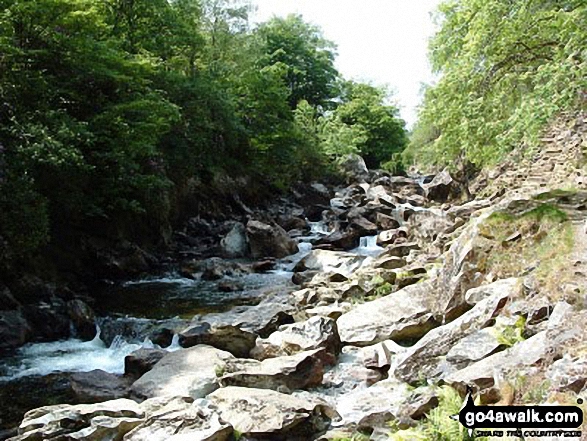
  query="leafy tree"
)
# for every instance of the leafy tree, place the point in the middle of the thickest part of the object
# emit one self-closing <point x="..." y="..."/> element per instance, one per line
<point x="307" y="59"/>
<point x="506" y="67"/>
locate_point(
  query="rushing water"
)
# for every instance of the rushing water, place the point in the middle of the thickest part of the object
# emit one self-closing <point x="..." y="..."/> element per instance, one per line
<point x="129" y="313"/>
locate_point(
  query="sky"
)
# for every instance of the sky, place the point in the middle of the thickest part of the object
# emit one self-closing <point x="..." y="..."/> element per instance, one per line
<point x="380" y="41"/>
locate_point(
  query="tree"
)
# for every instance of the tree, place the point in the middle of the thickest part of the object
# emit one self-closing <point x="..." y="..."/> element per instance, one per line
<point x="506" y="68"/>
<point x="380" y="133"/>
<point x="307" y="59"/>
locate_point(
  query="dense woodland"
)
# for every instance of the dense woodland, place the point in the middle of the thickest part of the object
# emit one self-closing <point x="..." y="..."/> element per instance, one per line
<point x="114" y="113"/>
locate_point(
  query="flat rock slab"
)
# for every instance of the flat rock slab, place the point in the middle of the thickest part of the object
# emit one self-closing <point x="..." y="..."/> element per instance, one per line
<point x="405" y="314"/>
<point x="107" y="420"/>
<point x="267" y="414"/>
<point x="190" y="372"/>
<point x="289" y="373"/>
<point x="180" y="419"/>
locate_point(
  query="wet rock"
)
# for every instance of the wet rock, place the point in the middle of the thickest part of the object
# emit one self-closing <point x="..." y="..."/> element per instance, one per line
<point x="83" y="319"/>
<point x="269" y="240"/>
<point x="386" y="222"/>
<point x="442" y="188"/>
<point x="314" y="333"/>
<point x="314" y="212"/>
<point x="107" y="420"/>
<point x="228" y="338"/>
<point x="181" y="419"/>
<point x="162" y="337"/>
<point x="216" y="268"/>
<point x="48" y="321"/>
<point x="14" y="329"/>
<point x="425" y="359"/>
<point x="405" y="314"/>
<point x="287" y="373"/>
<point x="7" y="300"/>
<point x="142" y="361"/>
<point x="188" y="373"/>
<point x="262" y="319"/>
<point x="96" y="386"/>
<point x="339" y="241"/>
<point x="263" y="266"/>
<point x="263" y="413"/>
<point x="330" y="261"/>
<point x="235" y="244"/>
<point x="363" y="227"/>
<point x="288" y="223"/>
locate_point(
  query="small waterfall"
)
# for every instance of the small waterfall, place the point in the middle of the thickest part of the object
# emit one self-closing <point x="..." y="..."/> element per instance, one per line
<point x="174" y="344"/>
<point x="368" y="247"/>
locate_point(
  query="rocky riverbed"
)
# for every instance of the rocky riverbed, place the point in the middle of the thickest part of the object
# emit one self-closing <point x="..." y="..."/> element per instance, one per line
<point x="337" y="316"/>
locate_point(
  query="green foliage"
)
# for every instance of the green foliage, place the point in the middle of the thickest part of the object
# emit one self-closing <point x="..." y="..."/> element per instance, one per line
<point x="507" y="67"/>
<point x="438" y="424"/>
<point x="510" y="335"/>
<point x="113" y="109"/>
<point x="305" y="57"/>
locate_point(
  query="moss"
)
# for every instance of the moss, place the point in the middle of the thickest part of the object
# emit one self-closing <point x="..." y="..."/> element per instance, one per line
<point x="559" y="194"/>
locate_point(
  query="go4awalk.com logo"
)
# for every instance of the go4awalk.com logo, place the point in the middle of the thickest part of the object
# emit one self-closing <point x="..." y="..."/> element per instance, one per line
<point x="521" y="421"/>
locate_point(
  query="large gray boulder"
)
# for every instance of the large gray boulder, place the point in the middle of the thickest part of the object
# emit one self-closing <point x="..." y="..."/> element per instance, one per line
<point x="180" y="419"/>
<point x="14" y="329"/>
<point x="94" y="422"/>
<point x="314" y="333"/>
<point x="191" y="373"/>
<point x="354" y="167"/>
<point x="405" y="314"/>
<point x="266" y="414"/>
<point x="427" y="357"/>
<point x="269" y="241"/>
<point x="442" y="188"/>
<point x="330" y="262"/>
<point x="235" y="244"/>
<point x="287" y="373"/>
<point x="233" y="339"/>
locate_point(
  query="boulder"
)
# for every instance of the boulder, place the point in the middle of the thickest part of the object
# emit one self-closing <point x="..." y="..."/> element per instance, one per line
<point x="7" y="300"/>
<point x="96" y="386"/>
<point x="14" y="329"/>
<point x="269" y="241"/>
<point x="235" y="244"/>
<point x="354" y="167"/>
<point x="363" y="227"/>
<point x="330" y="261"/>
<point x="386" y="222"/>
<point x="141" y="361"/>
<point x="83" y="319"/>
<point x="188" y="373"/>
<point x="442" y="188"/>
<point x="180" y="419"/>
<point x="266" y="414"/>
<point x="286" y="373"/>
<point x="288" y="223"/>
<point x="48" y="321"/>
<point x="262" y="319"/>
<point x="339" y="241"/>
<point x="563" y="328"/>
<point x="373" y="406"/>
<point x="94" y="422"/>
<point x="427" y="357"/>
<point x="403" y="315"/>
<point x="233" y="339"/>
<point x="390" y="263"/>
<point x="401" y="250"/>
<point x="314" y="333"/>
<point x="427" y="225"/>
